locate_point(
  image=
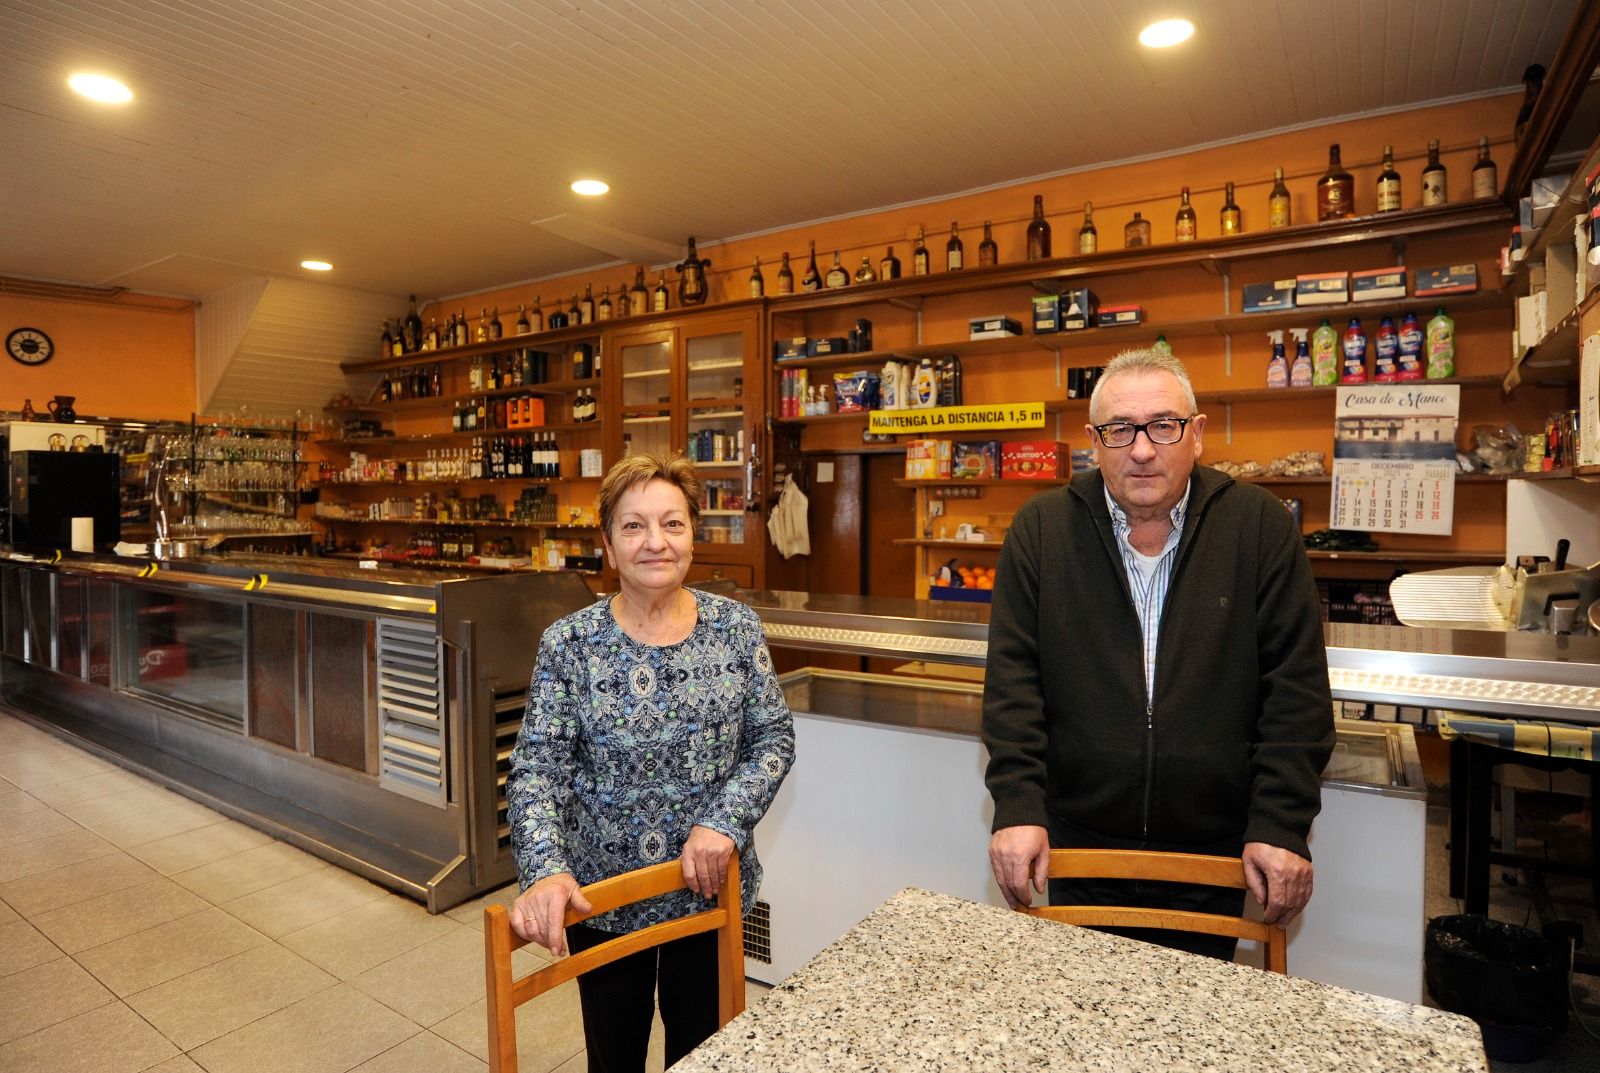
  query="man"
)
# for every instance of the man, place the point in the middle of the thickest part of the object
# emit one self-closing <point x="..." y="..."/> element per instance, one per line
<point x="1156" y="674"/>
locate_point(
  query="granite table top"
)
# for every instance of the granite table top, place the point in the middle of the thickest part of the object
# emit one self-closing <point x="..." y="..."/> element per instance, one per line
<point x="931" y="982"/>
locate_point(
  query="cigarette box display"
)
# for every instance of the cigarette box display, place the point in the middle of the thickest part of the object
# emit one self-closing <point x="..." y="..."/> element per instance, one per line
<point x="1453" y="279"/>
<point x="1322" y="288"/>
<point x="833" y="344"/>
<point x="1078" y="309"/>
<point x="1266" y="297"/>
<point x="996" y="327"/>
<point x="1034" y="460"/>
<point x="1376" y="284"/>
<point x="1118" y="316"/>
<point x="792" y="348"/>
<point x="1046" y="313"/>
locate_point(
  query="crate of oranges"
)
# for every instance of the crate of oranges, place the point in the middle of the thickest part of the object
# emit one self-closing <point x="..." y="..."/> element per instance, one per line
<point x="964" y="582"/>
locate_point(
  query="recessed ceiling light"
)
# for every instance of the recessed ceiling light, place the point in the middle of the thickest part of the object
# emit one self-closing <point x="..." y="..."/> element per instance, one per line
<point x="590" y="187"/>
<point x="102" y="88"/>
<point x="1166" y="33"/>
<point x="316" y="266"/>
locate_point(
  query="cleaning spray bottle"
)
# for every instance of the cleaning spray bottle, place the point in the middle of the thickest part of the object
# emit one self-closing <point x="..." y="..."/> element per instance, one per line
<point x="1324" y="355"/>
<point x="1277" y="365"/>
<point x="1300" y="371"/>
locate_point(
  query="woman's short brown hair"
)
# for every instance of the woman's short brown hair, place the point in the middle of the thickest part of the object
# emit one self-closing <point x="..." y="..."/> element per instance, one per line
<point x="638" y="470"/>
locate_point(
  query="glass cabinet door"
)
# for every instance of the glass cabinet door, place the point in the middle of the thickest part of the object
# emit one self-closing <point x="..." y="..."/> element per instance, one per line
<point x="715" y="429"/>
<point x="645" y="368"/>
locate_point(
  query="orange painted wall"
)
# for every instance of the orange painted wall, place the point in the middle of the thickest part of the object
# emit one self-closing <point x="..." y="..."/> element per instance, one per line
<point x="133" y="357"/>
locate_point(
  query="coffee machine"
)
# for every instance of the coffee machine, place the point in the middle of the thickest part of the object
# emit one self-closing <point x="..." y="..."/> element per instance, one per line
<point x="48" y="489"/>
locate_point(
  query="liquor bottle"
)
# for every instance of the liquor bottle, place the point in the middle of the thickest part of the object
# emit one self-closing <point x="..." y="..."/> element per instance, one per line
<point x="837" y="276"/>
<point x="492" y="381"/>
<point x="1532" y="83"/>
<point x="812" y="280"/>
<point x="523" y="328"/>
<point x="1433" y="177"/>
<point x="638" y="297"/>
<point x="574" y="313"/>
<point x="430" y="338"/>
<point x="889" y="267"/>
<point x="463" y="329"/>
<point x="1038" y="231"/>
<point x="758" y="282"/>
<point x="692" y="289"/>
<point x="603" y="310"/>
<point x="1278" y="201"/>
<point x="1187" y="226"/>
<point x="514" y="461"/>
<point x="785" y="276"/>
<point x="413" y="328"/>
<point x="1232" y="218"/>
<point x="988" y="251"/>
<point x="481" y="334"/>
<point x="1388" y="183"/>
<point x="586" y="306"/>
<point x="1336" y="189"/>
<point x="435" y="383"/>
<point x="1137" y="232"/>
<point x="954" y="256"/>
<point x="481" y="413"/>
<point x="1485" y="177"/>
<point x="1088" y="236"/>
<point x="386" y="343"/>
<point x="536" y="320"/>
<point x="865" y="274"/>
<point x="921" y="262"/>
<point x="496" y="329"/>
<point x="659" y="300"/>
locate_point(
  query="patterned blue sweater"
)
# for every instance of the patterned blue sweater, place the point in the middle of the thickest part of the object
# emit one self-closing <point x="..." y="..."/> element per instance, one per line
<point x="626" y="746"/>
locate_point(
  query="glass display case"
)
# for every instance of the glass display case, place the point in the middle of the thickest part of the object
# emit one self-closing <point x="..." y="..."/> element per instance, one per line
<point x="227" y="482"/>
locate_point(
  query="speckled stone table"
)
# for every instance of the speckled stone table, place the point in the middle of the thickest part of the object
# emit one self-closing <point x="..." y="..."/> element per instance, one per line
<point x="931" y="982"/>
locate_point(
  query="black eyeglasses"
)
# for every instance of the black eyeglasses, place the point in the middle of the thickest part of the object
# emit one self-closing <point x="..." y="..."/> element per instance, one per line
<point x="1162" y="430"/>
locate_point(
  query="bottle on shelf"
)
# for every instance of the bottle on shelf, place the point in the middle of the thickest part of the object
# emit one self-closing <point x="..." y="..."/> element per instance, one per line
<point x="1354" y="345"/>
<point x="865" y="274"/>
<point x="812" y="280"/>
<point x="1485" y="177"/>
<point x="921" y="262"/>
<point x="659" y="300"/>
<point x="1433" y="178"/>
<point x="1186" y="227"/>
<point x="1137" y="232"/>
<point x="1386" y="352"/>
<point x="1324" y="355"/>
<point x="758" y="282"/>
<point x="586" y="306"/>
<point x="988" y="251"/>
<point x="430" y="338"/>
<point x="523" y="326"/>
<point x="954" y="260"/>
<point x="1278" y="201"/>
<point x="1388" y="183"/>
<point x="1088" y="235"/>
<point x="481" y="335"/>
<point x="386" y="342"/>
<point x="496" y="329"/>
<point x="463" y="329"/>
<point x="574" y="313"/>
<point x="785" y="276"/>
<point x="492" y="381"/>
<point x="475" y="375"/>
<point x="889" y="267"/>
<point x="558" y="318"/>
<point x="536" y="318"/>
<point x="1336" y="189"/>
<point x="1232" y="219"/>
<point x="1532" y="83"/>
<point x="1441" y="346"/>
<point x="1038" y="232"/>
<point x="413" y="328"/>
<point x="1277" y="363"/>
<point x="837" y="276"/>
<point x="603" y="310"/>
<point x="435" y="383"/>
<point x="692" y="289"/>
<point x="638" y="297"/>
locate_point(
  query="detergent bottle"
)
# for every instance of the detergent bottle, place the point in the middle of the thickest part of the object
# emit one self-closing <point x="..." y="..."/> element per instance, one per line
<point x="1300" y="371"/>
<point x="1277" y="365"/>
<point x="1324" y="355"/>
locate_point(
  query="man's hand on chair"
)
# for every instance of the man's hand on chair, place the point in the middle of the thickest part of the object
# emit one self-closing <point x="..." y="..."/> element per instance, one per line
<point x="1279" y="878"/>
<point x="1020" y="856"/>
<point x="539" y="913"/>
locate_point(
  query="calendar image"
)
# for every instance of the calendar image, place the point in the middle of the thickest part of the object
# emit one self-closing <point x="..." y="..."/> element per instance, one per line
<point x="1394" y="456"/>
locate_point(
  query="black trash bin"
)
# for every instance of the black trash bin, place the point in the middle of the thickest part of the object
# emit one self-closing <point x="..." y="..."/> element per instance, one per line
<point x="1510" y="980"/>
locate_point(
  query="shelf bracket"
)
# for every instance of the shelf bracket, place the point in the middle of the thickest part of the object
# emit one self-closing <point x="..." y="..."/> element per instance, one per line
<point x="1227" y="423"/>
<point x="912" y="304"/>
<point x="1399" y="249"/>
<point x="918" y="322"/>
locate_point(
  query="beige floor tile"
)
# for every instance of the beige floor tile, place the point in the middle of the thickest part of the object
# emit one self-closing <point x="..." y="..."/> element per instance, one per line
<point x="30" y="826"/>
<point x="329" y="1032"/>
<point x="109" y="1039"/>
<point x="55" y="851"/>
<point x="22" y="946"/>
<point x="180" y="852"/>
<point x="8" y="914"/>
<point x="423" y="1053"/>
<point x="438" y="978"/>
<point x="169" y="950"/>
<point x="304" y="901"/>
<point x="137" y="828"/>
<point x="368" y="935"/>
<point x="109" y="782"/>
<point x="45" y="766"/>
<point x="199" y="1006"/>
<point x="130" y="803"/>
<point x="75" y="883"/>
<point x="17" y="802"/>
<point x="549" y="1030"/>
<point x="578" y="1063"/>
<point x="181" y="1064"/>
<point x="255" y="869"/>
<point x="45" y="994"/>
<point x="112" y="916"/>
<point x="471" y="913"/>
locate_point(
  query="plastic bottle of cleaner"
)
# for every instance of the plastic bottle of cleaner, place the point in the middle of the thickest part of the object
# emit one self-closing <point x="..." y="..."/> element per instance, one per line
<point x="1410" y="356"/>
<point x="1165" y="347"/>
<point x="889" y="382"/>
<point x="1277" y="365"/>
<point x="1355" y="354"/>
<point x="1324" y="355"/>
<point x="1441" y="346"/>
<point x="1300" y="371"/>
<point x="1385" y="366"/>
<point x="924" y="386"/>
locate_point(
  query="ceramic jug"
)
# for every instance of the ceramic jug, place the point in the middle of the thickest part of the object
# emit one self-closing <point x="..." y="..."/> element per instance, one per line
<point x="61" y="408"/>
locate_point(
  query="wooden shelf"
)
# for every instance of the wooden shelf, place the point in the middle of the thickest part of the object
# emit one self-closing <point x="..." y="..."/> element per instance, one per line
<point x="535" y="340"/>
<point x="446" y="564"/>
<point x="1553" y="357"/>
<point x="957" y="482"/>
<point x="1235" y="323"/>
<point x="1455" y="558"/>
<point x="431" y="482"/>
<point x="1285" y="394"/>
<point x="426" y="439"/>
<point x="476" y="523"/>
<point x="434" y="402"/>
<point x="916" y="542"/>
<point x="1327" y="478"/>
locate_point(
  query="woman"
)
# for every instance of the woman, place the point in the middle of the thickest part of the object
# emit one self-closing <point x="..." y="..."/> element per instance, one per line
<point x="655" y="729"/>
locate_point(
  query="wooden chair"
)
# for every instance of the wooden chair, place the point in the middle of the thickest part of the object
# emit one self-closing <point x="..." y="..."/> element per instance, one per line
<point x="499" y="941"/>
<point x="1166" y="867"/>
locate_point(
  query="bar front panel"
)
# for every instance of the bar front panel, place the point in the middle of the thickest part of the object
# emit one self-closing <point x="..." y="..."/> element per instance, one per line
<point x="339" y="670"/>
<point x="274" y="657"/>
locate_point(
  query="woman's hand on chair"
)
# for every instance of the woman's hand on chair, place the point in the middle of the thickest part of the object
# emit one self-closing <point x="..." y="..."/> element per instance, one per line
<point x="705" y="860"/>
<point x="539" y="913"/>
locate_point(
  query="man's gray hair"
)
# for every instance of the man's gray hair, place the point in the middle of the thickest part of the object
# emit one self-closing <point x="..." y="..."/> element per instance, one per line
<point x="1148" y="360"/>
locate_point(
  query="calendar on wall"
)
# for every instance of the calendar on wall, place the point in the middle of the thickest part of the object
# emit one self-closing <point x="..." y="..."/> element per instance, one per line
<point x="1394" y="457"/>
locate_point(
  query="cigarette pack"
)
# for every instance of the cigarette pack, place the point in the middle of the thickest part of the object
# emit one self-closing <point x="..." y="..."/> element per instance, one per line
<point x="1376" y="284"/>
<point x="1322" y="288"/>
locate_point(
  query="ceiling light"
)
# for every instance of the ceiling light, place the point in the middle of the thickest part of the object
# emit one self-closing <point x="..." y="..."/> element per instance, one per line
<point x="102" y="88"/>
<point x="1166" y="33"/>
<point x="316" y="266"/>
<point x="590" y="187"/>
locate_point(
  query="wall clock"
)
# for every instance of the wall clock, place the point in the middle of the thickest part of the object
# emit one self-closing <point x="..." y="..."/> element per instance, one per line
<point x="30" y="346"/>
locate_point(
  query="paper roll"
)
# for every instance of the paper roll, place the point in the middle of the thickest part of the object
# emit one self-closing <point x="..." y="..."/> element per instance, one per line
<point x="83" y="534"/>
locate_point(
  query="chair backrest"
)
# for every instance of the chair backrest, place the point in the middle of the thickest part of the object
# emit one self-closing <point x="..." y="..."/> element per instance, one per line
<point x="506" y="994"/>
<point x="1167" y="867"/>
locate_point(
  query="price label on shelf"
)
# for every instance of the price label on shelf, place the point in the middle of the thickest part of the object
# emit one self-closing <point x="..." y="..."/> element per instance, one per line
<point x="946" y="420"/>
<point x="1394" y="458"/>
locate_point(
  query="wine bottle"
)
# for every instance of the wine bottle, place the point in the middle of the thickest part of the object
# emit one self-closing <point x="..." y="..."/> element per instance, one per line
<point x="865" y="274"/>
<point x="430" y="338"/>
<point x="812" y="280"/>
<point x="1137" y="232"/>
<point x="953" y="256"/>
<point x="1388" y="183"/>
<point x="574" y="313"/>
<point x="988" y="251"/>
<point x="481" y="335"/>
<point x="496" y="329"/>
<point x="758" y="282"/>
<point x="1232" y="218"/>
<point x="586" y="306"/>
<point x="1336" y="189"/>
<point x="603" y="310"/>
<point x="397" y="344"/>
<point x="785" y="276"/>
<point x="1038" y="231"/>
<point x="692" y="289"/>
<point x="638" y="297"/>
<point x="837" y="276"/>
<point x="413" y="328"/>
<point x="1433" y="178"/>
<point x="921" y="263"/>
<point x="463" y="329"/>
<point x="659" y="297"/>
<point x="1088" y="236"/>
<point x="889" y="267"/>
<point x="1485" y="177"/>
<point x="536" y="320"/>
<point x="1187" y="227"/>
<point x="523" y="327"/>
<point x="386" y="343"/>
<point x="1278" y="201"/>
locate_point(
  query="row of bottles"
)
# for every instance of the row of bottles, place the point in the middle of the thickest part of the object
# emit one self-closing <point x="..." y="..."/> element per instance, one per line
<point x="1330" y="357"/>
<point x="501" y="371"/>
<point x="411" y="382"/>
<point x="1336" y="188"/>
